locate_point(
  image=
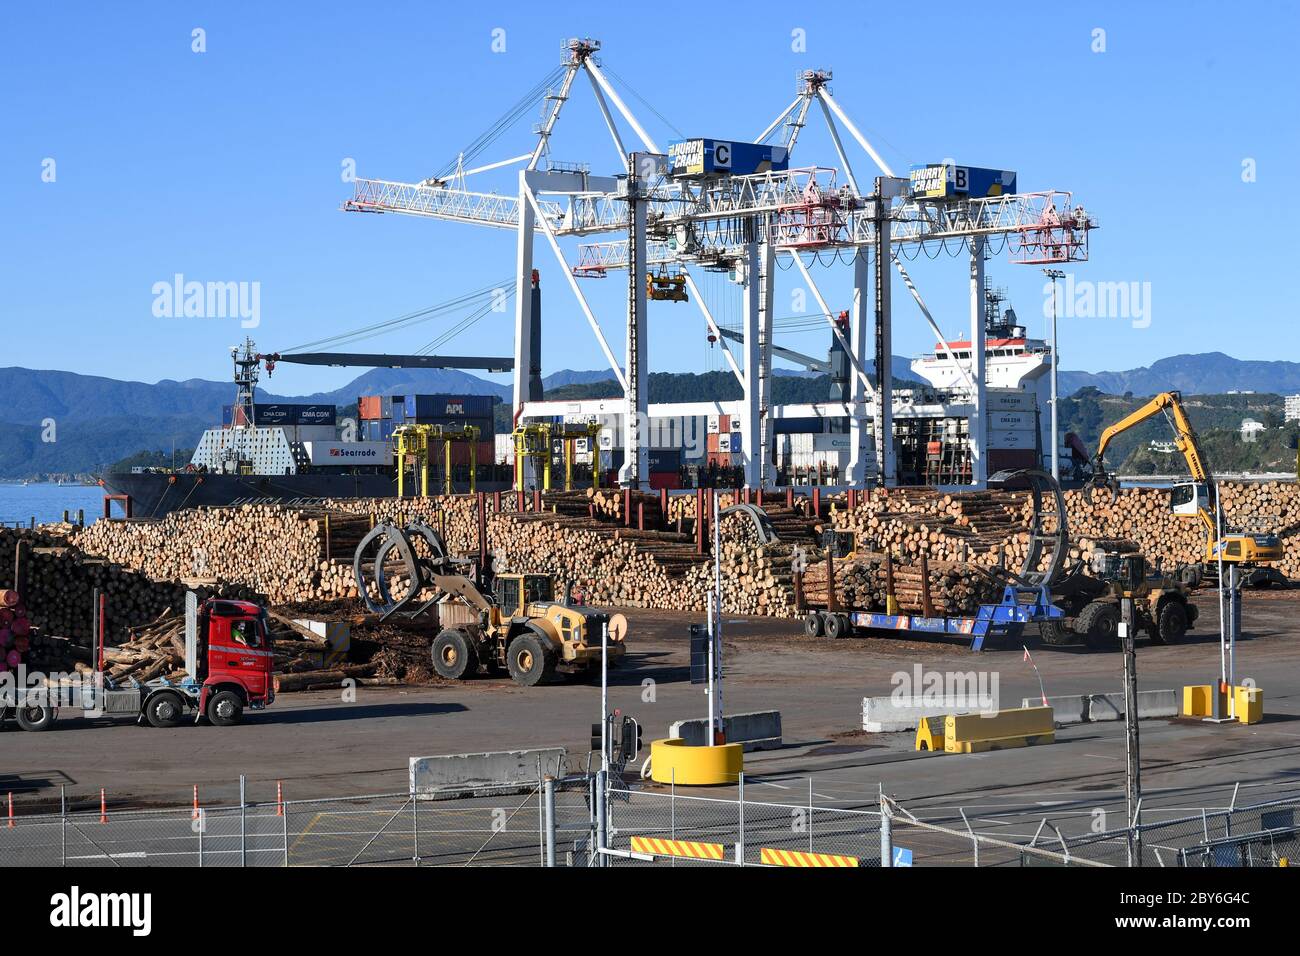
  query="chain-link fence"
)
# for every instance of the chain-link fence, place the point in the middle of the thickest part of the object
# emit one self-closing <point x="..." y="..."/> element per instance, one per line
<point x="738" y="831"/>
<point x="481" y="827"/>
<point x="557" y="822"/>
<point x="1260" y="834"/>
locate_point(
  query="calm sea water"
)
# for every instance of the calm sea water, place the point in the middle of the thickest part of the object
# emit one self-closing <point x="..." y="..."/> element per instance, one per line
<point x="47" y="502"/>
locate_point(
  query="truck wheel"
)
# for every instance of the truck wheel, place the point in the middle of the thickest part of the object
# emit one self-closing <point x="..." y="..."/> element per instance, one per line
<point x="529" y="660"/>
<point x="1099" y="625"/>
<point x="813" y="626"/>
<point x="225" y="709"/>
<point x="164" y="710"/>
<point x="1172" y="624"/>
<point x="454" y="655"/>
<point x="837" y="626"/>
<point x="34" y="717"/>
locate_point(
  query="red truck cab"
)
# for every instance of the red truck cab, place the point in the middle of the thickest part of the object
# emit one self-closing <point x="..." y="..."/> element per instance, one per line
<point x="235" y="660"/>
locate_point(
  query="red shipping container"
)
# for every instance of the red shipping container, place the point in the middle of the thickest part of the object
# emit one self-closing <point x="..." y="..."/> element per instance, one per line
<point x="665" y="479"/>
<point x="370" y="408"/>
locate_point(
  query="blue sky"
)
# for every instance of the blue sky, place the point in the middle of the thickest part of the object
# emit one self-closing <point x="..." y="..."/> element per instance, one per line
<point x="226" y="165"/>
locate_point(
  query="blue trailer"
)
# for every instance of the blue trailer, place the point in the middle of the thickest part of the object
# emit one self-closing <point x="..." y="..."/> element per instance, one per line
<point x="1006" y="619"/>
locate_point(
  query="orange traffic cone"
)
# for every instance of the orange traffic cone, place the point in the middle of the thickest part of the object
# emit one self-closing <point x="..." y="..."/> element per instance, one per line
<point x="103" y="807"/>
<point x="279" y="799"/>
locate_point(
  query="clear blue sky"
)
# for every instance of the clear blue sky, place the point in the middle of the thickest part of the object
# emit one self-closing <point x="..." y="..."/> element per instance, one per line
<point x="225" y="165"/>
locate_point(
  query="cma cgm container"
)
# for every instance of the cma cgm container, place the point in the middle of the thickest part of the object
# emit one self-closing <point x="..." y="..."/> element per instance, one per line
<point x="268" y="416"/>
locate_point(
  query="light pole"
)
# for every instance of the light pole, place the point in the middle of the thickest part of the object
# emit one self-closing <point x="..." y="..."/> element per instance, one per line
<point x="1054" y="274"/>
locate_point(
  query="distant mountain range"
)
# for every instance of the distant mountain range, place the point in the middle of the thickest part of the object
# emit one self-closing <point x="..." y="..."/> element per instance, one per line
<point x="1209" y="373"/>
<point x="99" y="420"/>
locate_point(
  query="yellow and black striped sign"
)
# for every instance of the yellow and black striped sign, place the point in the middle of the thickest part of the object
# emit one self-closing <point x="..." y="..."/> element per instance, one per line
<point x="771" y="857"/>
<point x="687" y="848"/>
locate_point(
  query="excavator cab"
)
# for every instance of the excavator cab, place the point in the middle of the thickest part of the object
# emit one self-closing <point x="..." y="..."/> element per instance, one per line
<point x="1188" y="499"/>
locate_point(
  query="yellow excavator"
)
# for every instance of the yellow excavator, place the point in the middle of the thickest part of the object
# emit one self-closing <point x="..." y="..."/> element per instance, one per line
<point x="1193" y="499"/>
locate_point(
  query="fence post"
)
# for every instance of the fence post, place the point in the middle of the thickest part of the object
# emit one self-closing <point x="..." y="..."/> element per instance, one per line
<point x="202" y="825"/>
<point x="243" y="847"/>
<point x="548" y="800"/>
<point x="602" y="810"/>
<point x="284" y="830"/>
<point x="740" y="843"/>
<point x="541" y="813"/>
<point x="63" y="823"/>
<point x="810" y="814"/>
<point x="415" y="824"/>
<point x="886" y="832"/>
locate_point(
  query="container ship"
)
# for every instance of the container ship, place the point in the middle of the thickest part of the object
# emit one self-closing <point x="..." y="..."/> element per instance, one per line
<point x="296" y="453"/>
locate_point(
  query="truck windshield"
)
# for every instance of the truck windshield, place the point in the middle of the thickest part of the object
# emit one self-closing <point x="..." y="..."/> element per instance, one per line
<point x="247" y="632"/>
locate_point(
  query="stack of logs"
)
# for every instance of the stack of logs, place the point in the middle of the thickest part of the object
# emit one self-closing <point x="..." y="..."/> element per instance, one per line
<point x="932" y="588"/>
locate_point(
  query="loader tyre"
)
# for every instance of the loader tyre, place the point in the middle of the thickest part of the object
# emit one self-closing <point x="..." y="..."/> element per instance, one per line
<point x="1099" y="625"/>
<point x="35" y="717"/>
<point x="531" y="659"/>
<point x="225" y="709"/>
<point x="813" y="625"/>
<point x="837" y="626"/>
<point x="454" y="655"/>
<point x="164" y="710"/>
<point x="1172" y="625"/>
<point x="1055" y="633"/>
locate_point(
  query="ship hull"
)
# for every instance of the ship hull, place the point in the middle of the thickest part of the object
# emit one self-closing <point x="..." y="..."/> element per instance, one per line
<point x="156" y="495"/>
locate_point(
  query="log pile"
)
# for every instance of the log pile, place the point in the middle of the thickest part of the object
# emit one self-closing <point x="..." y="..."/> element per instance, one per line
<point x="60" y="583"/>
<point x="935" y="589"/>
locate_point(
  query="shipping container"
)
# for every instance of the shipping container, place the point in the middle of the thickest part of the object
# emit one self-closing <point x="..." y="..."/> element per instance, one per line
<point x="428" y="408"/>
<point x="370" y="407"/>
<point x="344" y="454"/>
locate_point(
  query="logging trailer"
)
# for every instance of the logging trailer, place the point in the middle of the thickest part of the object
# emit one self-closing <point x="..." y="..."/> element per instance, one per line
<point x="228" y="668"/>
<point x="515" y="625"/>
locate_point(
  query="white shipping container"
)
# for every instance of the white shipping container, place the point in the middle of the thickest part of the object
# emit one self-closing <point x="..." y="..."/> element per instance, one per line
<point x="724" y="442"/>
<point x="1011" y="399"/>
<point x="349" y="453"/>
<point x="1007" y="438"/>
<point x="505" y="448"/>
<point x="1012" y="421"/>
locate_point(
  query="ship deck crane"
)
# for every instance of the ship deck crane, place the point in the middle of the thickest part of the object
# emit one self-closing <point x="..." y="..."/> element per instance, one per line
<point x="1190" y="499"/>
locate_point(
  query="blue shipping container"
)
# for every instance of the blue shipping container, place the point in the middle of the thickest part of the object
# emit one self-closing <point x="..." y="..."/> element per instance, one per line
<point x="421" y="408"/>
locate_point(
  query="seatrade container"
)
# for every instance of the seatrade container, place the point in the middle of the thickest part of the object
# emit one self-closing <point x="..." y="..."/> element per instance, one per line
<point x="950" y="181"/>
<point x="690" y="158"/>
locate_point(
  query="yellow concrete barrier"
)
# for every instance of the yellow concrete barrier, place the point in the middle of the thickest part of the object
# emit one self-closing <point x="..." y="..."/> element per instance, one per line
<point x="1021" y="727"/>
<point x="687" y="848"/>
<point x="773" y="857"/>
<point x="1198" y="700"/>
<point x="929" y="734"/>
<point x="1247" y="702"/>
<point x="674" y="761"/>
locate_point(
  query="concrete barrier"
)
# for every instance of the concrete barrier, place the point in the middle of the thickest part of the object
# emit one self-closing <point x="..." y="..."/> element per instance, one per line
<point x="1071" y="709"/>
<point x="497" y="769"/>
<point x="757" y="731"/>
<point x="888" y="715"/>
<point x="1150" y="703"/>
<point x="976" y="733"/>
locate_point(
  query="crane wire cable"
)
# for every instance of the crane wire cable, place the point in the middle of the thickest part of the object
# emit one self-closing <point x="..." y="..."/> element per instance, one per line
<point x="506" y="121"/>
<point x="644" y="102"/>
<point x="464" y="325"/>
<point x="407" y="319"/>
